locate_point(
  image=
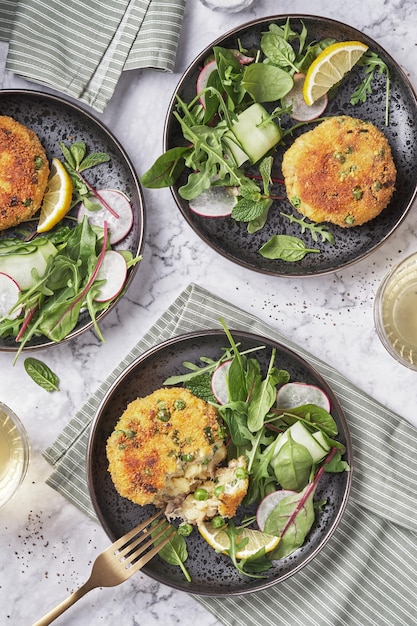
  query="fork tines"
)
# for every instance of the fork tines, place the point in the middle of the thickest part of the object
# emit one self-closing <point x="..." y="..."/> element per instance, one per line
<point x="143" y="542"/>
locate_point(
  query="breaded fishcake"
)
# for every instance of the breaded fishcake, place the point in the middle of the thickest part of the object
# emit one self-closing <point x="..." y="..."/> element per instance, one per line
<point x="24" y="172"/>
<point x="164" y="445"/>
<point x="342" y="172"/>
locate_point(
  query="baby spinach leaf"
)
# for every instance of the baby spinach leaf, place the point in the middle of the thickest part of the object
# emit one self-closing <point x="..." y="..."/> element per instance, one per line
<point x="336" y="464"/>
<point x="278" y="51"/>
<point x="262" y="398"/>
<point x="166" y="169"/>
<point x="292" y="465"/>
<point x="286" y="248"/>
<point x="266" y="83"/>
<point x="175" y="551"/>
<point x="236" y="378"/>
<point x="312" y="414"/>
<point x="41" y="374"/>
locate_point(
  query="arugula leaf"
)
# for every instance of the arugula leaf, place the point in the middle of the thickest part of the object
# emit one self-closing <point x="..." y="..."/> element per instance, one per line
<point x="316" y="230"/>
<point x="373" y="64"/>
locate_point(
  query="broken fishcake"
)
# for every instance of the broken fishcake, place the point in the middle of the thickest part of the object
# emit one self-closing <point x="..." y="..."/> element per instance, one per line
<point x="341" y="172"/>
<point x="218" y="496"/>
<point x="24" y="172"/>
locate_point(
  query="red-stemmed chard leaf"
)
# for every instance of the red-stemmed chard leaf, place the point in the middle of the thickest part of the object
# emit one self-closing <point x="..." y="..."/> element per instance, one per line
<point x="293" y="517"/>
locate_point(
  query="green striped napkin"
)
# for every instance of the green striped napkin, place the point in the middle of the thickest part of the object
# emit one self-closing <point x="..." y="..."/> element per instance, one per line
<point x="80" y="47"/>
<point x="366" y="574"/>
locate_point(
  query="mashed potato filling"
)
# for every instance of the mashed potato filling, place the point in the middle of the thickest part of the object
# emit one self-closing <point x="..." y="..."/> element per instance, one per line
<point x="165" y="446"/>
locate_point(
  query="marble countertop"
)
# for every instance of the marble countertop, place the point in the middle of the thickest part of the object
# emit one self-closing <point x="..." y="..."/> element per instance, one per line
<point x="47" y="546"/>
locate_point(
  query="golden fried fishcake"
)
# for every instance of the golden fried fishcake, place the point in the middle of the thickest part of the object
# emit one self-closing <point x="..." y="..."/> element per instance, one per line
<point x="342" y="172"/>
<point x="163" y="445"/>
<point x="24" y="172"/>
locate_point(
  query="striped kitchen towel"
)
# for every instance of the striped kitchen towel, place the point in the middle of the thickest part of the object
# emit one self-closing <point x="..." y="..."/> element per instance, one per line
<point x="80" y="47"/>
<point x="366" y="575"/>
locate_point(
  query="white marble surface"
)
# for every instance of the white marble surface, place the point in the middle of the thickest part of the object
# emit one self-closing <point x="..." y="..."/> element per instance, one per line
<point x="46" y="545"/>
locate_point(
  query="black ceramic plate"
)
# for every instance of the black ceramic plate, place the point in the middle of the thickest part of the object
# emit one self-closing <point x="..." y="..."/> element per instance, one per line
<point x="54" y="119"/>
<point x="211" y="573"/>
<point x="231" y="239"/>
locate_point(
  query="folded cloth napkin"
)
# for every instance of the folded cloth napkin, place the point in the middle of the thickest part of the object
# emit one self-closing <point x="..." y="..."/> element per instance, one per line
<point x="366" y="574"/>
<point x="80" y="47"/>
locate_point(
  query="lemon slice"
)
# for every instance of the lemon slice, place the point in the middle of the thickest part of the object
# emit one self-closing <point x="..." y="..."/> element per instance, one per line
<point x="219" y="540"/>
<point x="330" y="67"/>
<point x="57" y="199"/>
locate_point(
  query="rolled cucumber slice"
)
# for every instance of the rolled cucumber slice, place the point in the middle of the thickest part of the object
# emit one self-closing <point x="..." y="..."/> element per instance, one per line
<point x="20" y="266"/>
<point x="255" y="132"/>
<point x="300" y="434"/>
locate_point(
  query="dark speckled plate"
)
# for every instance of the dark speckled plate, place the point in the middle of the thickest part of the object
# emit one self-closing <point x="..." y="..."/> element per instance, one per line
<point x="231" y="239"/>
<point x="54" y="119"/>
<point x="211" y="573"/>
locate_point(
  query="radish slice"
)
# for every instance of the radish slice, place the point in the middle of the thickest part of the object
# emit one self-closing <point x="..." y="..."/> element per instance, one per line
<point x="120" y="203"/>
<point x="242" y="58"/>
<point x="9" y="295"/>
<point x="301" y="111"/>
<point x="214" y="202"/>
<point x="113" y="270"/>
<point x="203" y="78"/>
<point x="292" y="395"/>
<point x="268" y="504"/>
<point x="219" y="383"/>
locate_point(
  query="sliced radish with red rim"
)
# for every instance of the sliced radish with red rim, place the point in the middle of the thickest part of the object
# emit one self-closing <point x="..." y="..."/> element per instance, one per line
<point x="268" y="504"/>
<point x="113" y="270"/>
<point x="9" y="295"/>
<point x="301" y="111"/>
<point x="219" y="383"/>
<point x="214" y="202"/>
<point x="120" y="204"/>
<point x="203" y="78"/>
<point x="296" y="394"/>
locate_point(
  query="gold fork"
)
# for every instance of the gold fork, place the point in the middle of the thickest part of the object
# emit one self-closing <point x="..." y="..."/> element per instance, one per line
<point x="119" y="561"/>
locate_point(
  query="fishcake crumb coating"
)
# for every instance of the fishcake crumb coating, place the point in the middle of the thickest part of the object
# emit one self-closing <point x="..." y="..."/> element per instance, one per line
<point x="163" y="445"/>
<point x="341" y="172"/>
<point x="24" y="172"/>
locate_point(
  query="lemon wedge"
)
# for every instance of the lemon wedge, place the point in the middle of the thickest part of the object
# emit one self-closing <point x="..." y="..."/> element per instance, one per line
<point x="218" y="539"/>
<point x="57" y="199"/>
<point x="329" y="68"/>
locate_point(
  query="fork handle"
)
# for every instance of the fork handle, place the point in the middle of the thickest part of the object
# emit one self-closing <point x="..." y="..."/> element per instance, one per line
<point x="64" y="605"/>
